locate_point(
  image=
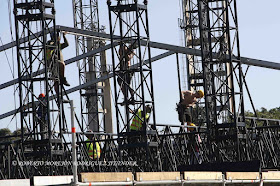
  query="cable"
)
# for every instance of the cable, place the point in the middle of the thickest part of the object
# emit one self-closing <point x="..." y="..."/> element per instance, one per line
<point x="13" y="62"/>
<point x="7" y="59"/>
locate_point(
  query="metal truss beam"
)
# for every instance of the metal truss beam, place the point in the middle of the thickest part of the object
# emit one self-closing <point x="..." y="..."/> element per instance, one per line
<point x="157" y="45"/>
<point x="172" y="48"/>
<point x="90" y="83"/>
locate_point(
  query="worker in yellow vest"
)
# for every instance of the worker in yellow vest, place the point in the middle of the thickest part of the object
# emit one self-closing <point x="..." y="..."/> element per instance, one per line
<point x="138" y="119"/>
<point x="93" y="149"/>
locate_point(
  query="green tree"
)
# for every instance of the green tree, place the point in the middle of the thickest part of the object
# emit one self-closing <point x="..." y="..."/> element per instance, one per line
<point x="18" y="133"/>
<point x="5" y="132"/>
<point x="264" y="113"/>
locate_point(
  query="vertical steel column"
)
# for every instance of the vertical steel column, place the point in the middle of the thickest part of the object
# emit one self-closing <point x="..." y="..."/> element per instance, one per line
<point x="93" y="103"/>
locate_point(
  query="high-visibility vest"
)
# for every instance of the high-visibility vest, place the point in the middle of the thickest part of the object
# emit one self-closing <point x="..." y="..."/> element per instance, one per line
<point x="138" y="120"/>
<point x="49" y="51"/>
<point x="94" y="153"/>
<point x="49" y="54"/>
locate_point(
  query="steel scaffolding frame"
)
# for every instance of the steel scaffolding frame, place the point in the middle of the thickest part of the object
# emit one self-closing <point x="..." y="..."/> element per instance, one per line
<point x="212" y="27"/>
<point x="86" y="17"/>
<point x="133" y="82"/>
<point x="39" y="117"/>
<point x="177" y="145"/>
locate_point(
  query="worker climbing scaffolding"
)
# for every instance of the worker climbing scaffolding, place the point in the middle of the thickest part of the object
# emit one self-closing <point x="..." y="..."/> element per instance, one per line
<point x="126" y="54"/>
<point x="55" y="61"/>
<point x="133" y="83"/>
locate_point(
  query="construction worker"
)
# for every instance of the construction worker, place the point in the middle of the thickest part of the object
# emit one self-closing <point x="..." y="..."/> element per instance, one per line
<point x="192" y="127"/>
<point x="41" y="112"/>
<point x="189" y="98"/>
<point x="195" y="140"/>
<point x="124" y="78"/>
<point x="93" y="149"/>
<point x="52" y="58"/>
<point x="138" y="119"/>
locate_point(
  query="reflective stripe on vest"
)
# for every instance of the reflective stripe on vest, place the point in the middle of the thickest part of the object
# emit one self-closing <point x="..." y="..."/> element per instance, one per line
<point x="138" y="120"/>
<point x="93" y="153"/>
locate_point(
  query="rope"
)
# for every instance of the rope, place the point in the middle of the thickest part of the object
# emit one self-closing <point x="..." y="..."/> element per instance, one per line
<point x="7" y="59"/>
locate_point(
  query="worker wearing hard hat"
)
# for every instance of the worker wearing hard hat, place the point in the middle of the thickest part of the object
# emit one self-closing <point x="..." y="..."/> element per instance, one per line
<point x="138" y="119"/>
<point x="189" y="98"/>
<point x="42" y="115"/>
<point x="93" y="148"/>
<point x="195" y="140"/>
<point x="191" y="127"/>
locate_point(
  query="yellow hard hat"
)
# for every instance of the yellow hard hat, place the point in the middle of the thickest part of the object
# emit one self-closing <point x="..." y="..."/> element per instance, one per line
<point x="192" y="127"/>
<point x="201" y="93"/>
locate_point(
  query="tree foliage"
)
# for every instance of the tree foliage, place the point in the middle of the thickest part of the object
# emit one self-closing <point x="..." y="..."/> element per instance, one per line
<point x="264" y="113"/>
<point x="7" y="132"/>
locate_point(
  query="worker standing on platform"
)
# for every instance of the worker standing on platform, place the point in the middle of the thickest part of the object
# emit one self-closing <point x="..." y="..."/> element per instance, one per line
<point x="125" y="76"/>
<point x="42" y="115"/>
<point x="188" y="99"/>
<point x="60" y="60"/>
<point x="93" y="148"/>
<point x="138" y="119"/>
<point x="195" y="142"/>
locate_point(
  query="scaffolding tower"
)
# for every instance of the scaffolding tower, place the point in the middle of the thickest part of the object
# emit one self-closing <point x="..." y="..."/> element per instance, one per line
<point x="133" y="85"/>
<point x="40" y="107"/>
<point x="212" y="27"/>
<point x="96" y="99"/>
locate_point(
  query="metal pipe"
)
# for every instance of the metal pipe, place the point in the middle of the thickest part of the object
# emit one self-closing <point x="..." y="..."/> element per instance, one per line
<point x="74" y="154"/>
<point x="174" y="48"/>
<point x="242" y="181"/>
<point x="107" y="183"/>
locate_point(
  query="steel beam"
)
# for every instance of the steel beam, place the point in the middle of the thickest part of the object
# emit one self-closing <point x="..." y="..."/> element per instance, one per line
<point x="163" y="46"/>
<point x="90" y="83"/>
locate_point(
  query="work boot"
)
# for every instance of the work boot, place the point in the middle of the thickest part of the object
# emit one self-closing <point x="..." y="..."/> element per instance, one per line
<point x="64" y="81"/>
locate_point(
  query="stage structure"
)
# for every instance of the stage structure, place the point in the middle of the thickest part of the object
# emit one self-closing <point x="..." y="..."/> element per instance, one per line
<point x="222" y="134"/>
